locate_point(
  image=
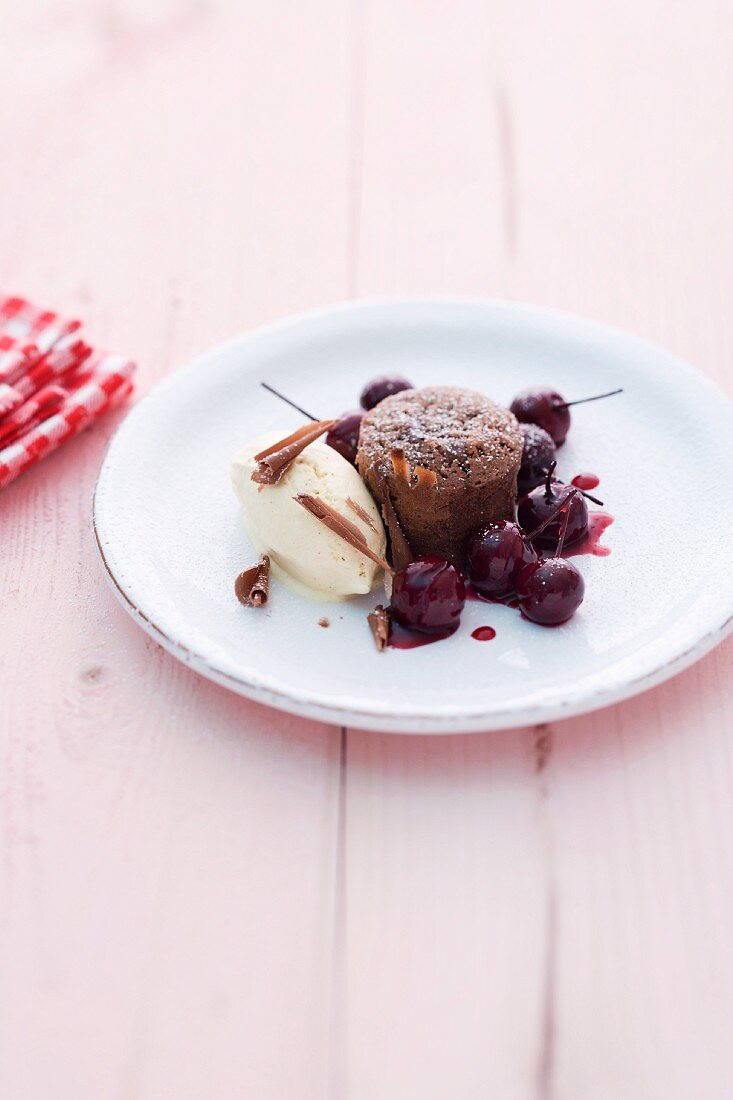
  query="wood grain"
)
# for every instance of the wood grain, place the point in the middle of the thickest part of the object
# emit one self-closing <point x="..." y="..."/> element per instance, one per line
<point x="542" y="914"/>
<point x="201" y="897"/>
<point x="168" y="871"/>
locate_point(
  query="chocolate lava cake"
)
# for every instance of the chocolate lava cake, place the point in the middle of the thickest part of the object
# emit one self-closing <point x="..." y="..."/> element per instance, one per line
<point x="440" y="461"/>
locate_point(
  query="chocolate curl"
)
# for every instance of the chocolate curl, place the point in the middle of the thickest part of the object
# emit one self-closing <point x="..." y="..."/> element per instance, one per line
<point x="419" y="478"/>
<point x="424" y="479"/>
<point x="379" y="620"/>
<point x="275" y="460"/>
<point x="400" y="465"/>
<point x="401" y="550"/>
<point x="360" y="512"/>
<point x="340" y="526"/>
<point x="253" y="586"/>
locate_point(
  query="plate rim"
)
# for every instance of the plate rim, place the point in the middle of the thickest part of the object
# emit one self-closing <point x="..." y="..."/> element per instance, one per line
<point x="462" y="721"/>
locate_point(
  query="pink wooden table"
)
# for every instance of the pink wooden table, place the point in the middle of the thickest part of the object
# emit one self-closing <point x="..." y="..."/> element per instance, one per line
<point x="202" y="898"/>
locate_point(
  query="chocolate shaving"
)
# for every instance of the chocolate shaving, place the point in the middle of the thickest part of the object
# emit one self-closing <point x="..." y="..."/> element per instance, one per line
<point x="324" y="622"/>
<point x="379" y="620"/>
<point x="400" y="465"/>
<point x="424" y="479"/>
<point x="340" y="526"/>
<point x="275" y="460"/>
<point x="419" y="478"/>
<point x="361" y="513"/>
<point x="253" y="586"/>
<point x="400" y="549"/>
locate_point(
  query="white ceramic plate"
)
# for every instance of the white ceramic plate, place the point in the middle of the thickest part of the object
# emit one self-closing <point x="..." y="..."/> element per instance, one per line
<point x="171" y="542"/>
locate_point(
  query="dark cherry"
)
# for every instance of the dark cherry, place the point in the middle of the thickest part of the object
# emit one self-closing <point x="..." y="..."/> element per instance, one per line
<point x="538" y="454"/>
<point x="344" y="435"/>
<point x="550" y="591"/>
<point x="428" y="595"/>
<point x="400" y="637"/>
<point x="538" y="506"/>
<point x="495" y="556"/>
<point x="379" y="388"/>
<point x="546" y="408"/>
<point x="550" y="410"/>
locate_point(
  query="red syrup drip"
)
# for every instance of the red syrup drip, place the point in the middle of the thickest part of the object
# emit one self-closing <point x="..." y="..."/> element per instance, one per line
<point x="472" y="594"/>
<point x="402" y="638"/>
<point x="598" y="522"/>
<point x="586" y="481"/>
<point x="483" y="633"/>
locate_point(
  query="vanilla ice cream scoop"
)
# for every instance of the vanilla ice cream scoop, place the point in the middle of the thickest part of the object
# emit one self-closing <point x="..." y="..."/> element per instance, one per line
<point x="305" y="554"/>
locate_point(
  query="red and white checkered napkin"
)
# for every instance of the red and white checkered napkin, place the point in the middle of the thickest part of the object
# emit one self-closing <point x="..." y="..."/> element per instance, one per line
<point x="52" y="384"/>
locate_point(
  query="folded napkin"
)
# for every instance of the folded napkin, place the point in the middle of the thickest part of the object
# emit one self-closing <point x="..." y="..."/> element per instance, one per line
<point x="52" y="384"/>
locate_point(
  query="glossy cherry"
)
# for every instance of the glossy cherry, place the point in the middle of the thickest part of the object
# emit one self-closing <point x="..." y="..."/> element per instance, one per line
<point x="546" y="408"/>
<point x="495" y="556"/>
<point x="538" y="507"/>
<point x="550" y="591"/>
<point x="344" y="435"/>
<point x="379" y="388"/>
<point x="428" y="595"/>
<point x="538" y="454"/>
<point x="550" y="410"/>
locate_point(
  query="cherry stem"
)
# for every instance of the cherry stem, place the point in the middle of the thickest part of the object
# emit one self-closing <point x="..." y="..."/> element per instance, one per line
<point x="589" y="497"/>
<point x="548" y="480"/>
<point x="287" y="401"/>
<point x="563" y="529"/>
<point x="585" y="400"/>
<point x="553" y="514"/>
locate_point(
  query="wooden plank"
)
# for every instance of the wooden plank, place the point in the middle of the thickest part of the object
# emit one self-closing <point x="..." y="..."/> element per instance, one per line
<point x="193" y="900"/>
<point x="639" y="811"/>
<point x="448" y="910"/>
<point x="543" y="913"/>
<point x="175" y="173"/>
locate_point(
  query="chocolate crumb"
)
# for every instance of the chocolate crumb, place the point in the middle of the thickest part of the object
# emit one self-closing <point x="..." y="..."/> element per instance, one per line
<point x="252" y="587"/>
<point x="379" y="620"/>
<point x="324" y="622"/>
<point x="275" y="460"/>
